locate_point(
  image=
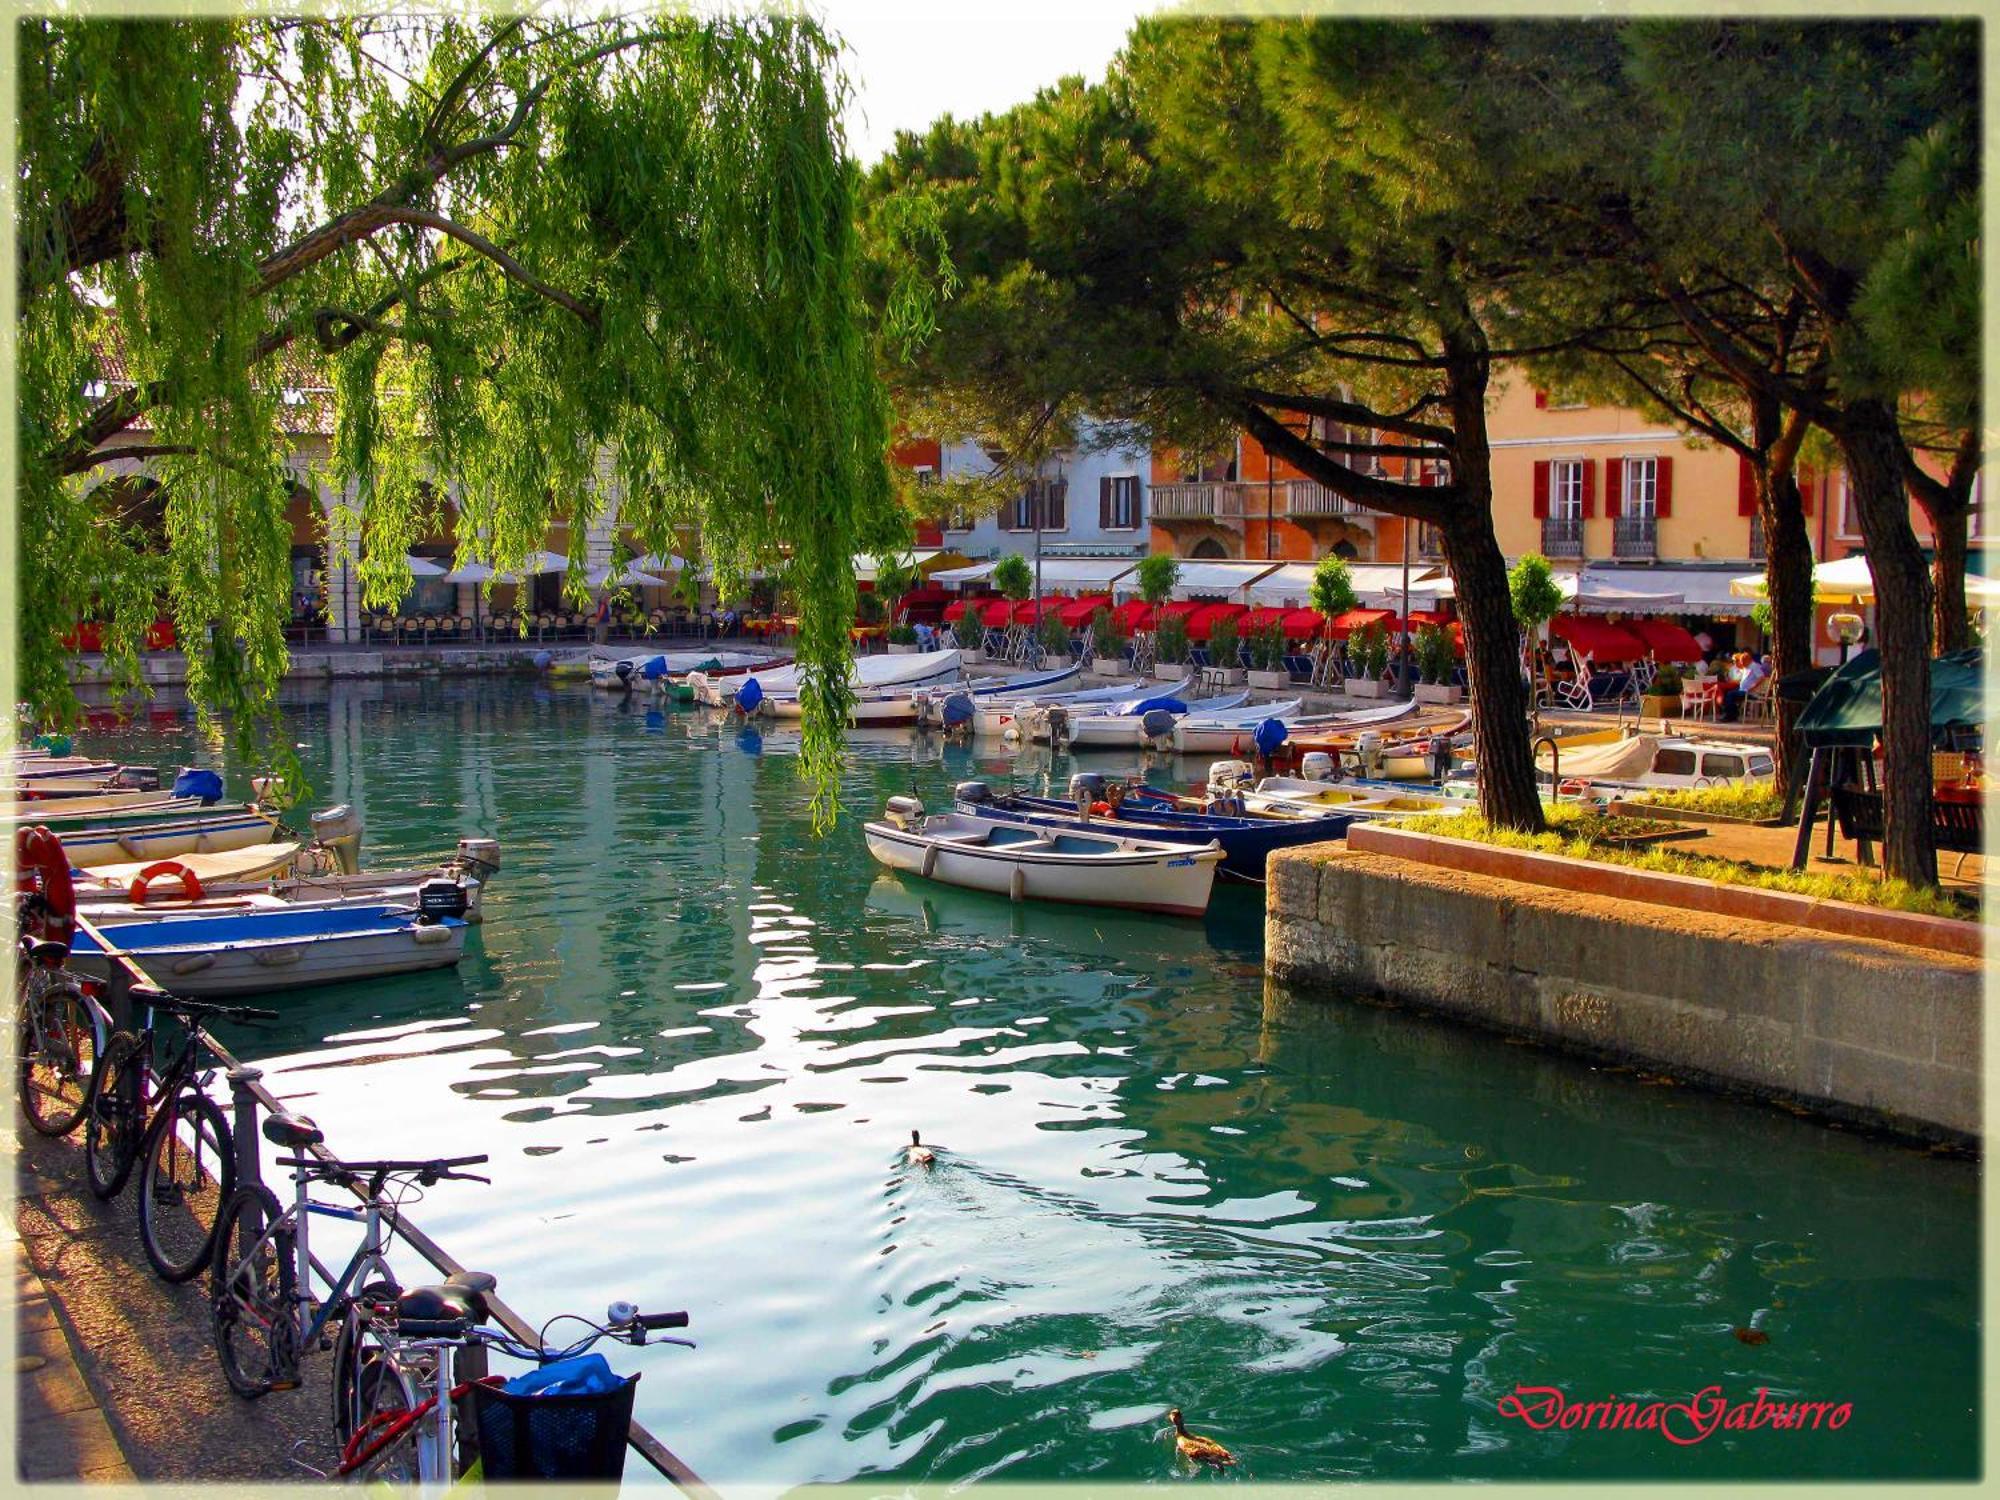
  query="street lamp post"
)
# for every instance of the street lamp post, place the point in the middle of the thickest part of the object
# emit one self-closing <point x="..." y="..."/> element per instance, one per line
<point x="1403" y="667"/>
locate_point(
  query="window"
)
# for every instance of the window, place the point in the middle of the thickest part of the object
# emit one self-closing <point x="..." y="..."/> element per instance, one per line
<point x="1041" y="501"/>
<point x="1642" y="480"/>
<point x="1722" y="765"/>
<point x="1849" y="513"/>
<point x="1760" y="765"/>
<point x="925" y="475"/>
<point x="1974" y="523"/>
<point x="1673" y="763"/>
<point x="1118" y="502"/>
<point x="959" y="518"/>
<point x="1566" y="490"/>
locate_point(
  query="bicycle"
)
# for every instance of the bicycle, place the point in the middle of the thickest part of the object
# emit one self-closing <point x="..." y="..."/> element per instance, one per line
<point x="261" y="1305"/>
<point x="138" y="1110"/>
<point x="405" y="1432"/>
<point x="63" y="1029"/>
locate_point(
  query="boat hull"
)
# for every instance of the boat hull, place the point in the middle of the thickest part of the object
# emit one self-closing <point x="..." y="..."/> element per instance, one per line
<point x="260" y="953"/>
<point x="92" y="848"/>
<point x="1246" y="843"/>
<point x="1177" y="881"/>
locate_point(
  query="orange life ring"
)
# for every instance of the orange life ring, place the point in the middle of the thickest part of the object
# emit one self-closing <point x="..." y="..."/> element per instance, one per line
<point x="165" y="869"/>
<point x="1100" y="809"/>
<point x="42" y="867"/>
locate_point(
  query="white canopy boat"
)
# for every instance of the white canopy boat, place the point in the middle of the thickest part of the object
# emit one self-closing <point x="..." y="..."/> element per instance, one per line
<point x="868" y="672"/>
<point x="247" y="953"/>
<point x="206" y="832"/>
<point x="1229" y="732"/>
<point x="1008" y="714"/>
<point x="1044" y="864"/>
<point x="1660" y="761"/>
<point x="99" y="807"/>
<point x="931" y="701"/>
<point x="1149" y="719"/>
<point x="218" y="870"/>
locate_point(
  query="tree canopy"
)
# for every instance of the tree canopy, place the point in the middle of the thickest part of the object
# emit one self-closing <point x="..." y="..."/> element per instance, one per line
<point x="538" y="259"/>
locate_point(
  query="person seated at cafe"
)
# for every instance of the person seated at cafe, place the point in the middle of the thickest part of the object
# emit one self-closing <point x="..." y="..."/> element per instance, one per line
<point x="1754" y="672"/>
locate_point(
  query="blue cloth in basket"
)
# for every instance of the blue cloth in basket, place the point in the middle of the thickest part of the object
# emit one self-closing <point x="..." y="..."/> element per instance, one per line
<point x="585" y="1375"/>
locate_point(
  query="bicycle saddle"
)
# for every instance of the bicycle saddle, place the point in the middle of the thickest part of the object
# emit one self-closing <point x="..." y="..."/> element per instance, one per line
<point x="439" y="1311"/>
<point x="47" y="954"/>
<point x="282" y="1128"/>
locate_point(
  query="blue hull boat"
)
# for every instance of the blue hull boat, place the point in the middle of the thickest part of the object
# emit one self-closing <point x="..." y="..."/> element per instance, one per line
<point x="1246" y="842"/>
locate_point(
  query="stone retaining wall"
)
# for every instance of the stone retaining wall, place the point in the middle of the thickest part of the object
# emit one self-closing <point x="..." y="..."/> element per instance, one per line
<point x="1869" y="1030"/>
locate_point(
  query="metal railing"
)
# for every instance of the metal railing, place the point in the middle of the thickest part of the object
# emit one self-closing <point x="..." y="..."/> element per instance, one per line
<point x="1562" y="536"/>
<point x="1204" y="501"/>
<point x="248" y="1095"/>
<point x="1635" y="536"/>
<point x="1308" y="497"/>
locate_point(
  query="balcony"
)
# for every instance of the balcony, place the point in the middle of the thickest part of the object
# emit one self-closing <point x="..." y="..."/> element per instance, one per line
<point x="1562" y="536"/>
<point x="1635" y="536"/>
<point x="1209" y="501"/>
<point x="1309" y="498"/>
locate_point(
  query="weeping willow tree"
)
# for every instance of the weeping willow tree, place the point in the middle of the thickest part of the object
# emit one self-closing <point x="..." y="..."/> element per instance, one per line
<point x="545" y="263"/>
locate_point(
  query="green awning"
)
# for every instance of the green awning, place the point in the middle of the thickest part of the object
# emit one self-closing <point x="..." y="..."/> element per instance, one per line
<point x="1848" y="709"/>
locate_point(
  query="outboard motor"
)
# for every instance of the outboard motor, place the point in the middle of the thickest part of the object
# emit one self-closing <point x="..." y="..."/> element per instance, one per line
<point x="624" y="670"/>
<point x="437" y="899"/>
<point x="958" y="710"/>
<point x="973" y="791"/>
<point x="1057" y="718"/>
<point x="1231" y="775"/>
<point x="1368" y="749"/>
<point x="1269" y="735"/>
<point x="1087" y="787"/>
<point x="749" y="697"/>
<point x="1441" y="756"/>
<point x="1317" y="765"/>
<point x="338" y="831"/>
<point x="901" y="812"/>
<point x="1157" y="723"/>
<point x="137" y="778"/>
<point x="197" y="781"/>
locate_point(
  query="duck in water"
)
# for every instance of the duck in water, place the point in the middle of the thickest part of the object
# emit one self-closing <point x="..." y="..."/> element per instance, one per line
<point x="919" y="1154"/>
<point x="1198" y="1449"/>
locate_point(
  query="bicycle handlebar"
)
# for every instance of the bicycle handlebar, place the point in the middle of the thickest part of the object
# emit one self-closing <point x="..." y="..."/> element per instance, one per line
<point x="651" y="1321"/>
<point x="438" y="1170"/>
<point x="161" y="1000"/>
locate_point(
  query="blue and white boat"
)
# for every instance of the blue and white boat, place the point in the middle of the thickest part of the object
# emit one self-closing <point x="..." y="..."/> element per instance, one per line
<point x="258" y="952"/>
<point x="950" y="706"/>
<point x="1149" y="719"/>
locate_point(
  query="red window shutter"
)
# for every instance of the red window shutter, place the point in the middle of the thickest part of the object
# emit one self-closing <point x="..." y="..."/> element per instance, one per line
<point x="1589" y="489"/>
<point x="1541" y="400"/>
<point x="1663" y="488"/>
<point x="1541" y="492"/>
<point x="1614" y="480"/>
<point x="1104" y="503"/>
<point x="1808" y="482"/>
<point x="1746" y="487"/>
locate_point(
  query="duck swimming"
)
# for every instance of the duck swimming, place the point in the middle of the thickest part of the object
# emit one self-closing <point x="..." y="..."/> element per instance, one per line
<point x="1197" y="1449"/>
<point x="919" y="1154"/>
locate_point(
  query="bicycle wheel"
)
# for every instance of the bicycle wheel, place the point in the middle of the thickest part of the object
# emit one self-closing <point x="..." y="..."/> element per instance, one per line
<point x="386" y="1397"/>
<point x="355" y="1348"/>
<point x="251" y="1293"/>
<point x="189" y="1171"/>
<point x="114" y="1118"/>
<point x="61" y="1038"/>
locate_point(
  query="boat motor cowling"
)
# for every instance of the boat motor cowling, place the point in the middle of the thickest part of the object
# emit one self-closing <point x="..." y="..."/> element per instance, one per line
<point x="901" y="812"/>
<point x="440" y="898"/>
<point x="1158" y="723"/>
<point x="199" y="781"/>
<point x="137" y="778"/>
<point x="1231" y="775"/>
<point x="1317" y="765"/>
<point x="1368" y="750"/>
<point x="1086" y="787"/>
<point x="481" y="856"/>
<point x="973" y="791"/>
<point x="338" y="829"/>
<point x="623" y="669"/>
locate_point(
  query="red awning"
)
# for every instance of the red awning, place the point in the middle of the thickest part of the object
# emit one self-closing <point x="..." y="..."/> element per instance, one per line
<point x="1669" y="642"/>
<point x="954" y="609"/>
<point x="1262" y="619"/>
<point x="1201" y="624"/>
<point x="1183" y="607"/>
<point x="1600" y="640"/>
<point x="1427" y="617"/>
<point x="1304" y="624"/>
<point x="996" y="613"/>
<point x="1357" y="619"/>
<point x="1134" y="614"/>
<point x="1077" y="613"/>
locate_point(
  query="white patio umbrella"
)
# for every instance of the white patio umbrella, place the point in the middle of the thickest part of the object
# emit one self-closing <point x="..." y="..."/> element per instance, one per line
<point x="1849" y="580"/>
<point x="423" y="567"/>
<point x="670" y="562"/>
<point x="474" y="572"/>
<point x="629" y="577"/>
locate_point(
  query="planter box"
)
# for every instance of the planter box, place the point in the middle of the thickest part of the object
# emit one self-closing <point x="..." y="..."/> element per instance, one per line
<point x="902" y="648"/>
<point x="972" y="653"/>
<point x="1270" y="682"/>
<point x="1362" y="687"/>
<point x="1666" y="706"/>
<point x="1109" y="666"/>
<point x="1229" y="677"/>
<point x="1170" y="672"/>
<point x="1439" y="692"/>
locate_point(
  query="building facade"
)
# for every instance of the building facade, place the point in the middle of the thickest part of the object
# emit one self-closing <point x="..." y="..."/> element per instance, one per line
<point x="1090" y="501"/>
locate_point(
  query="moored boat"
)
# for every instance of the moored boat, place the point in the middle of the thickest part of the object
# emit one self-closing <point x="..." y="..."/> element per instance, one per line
<point x="1147" y="721"/>
<point x="1044" y="864"/>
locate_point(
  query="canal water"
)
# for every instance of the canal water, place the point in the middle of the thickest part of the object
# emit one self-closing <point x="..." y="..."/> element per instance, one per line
<point x="694" y="1039"/>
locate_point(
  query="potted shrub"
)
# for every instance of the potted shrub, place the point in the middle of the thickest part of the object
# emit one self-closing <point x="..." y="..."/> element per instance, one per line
<point x="1170" y="649"/>
<point x="970" y="632"/>
<point x="1435" y="660"/>
<point x="1107" y="645"/>
<point x="1663" y="694"/>
<point x="1369" y="647"/>
<point x="1267" y="658"/>
<point x="902" y="638"/>
<point x="1054" y="636"/>
<point x="1225" y="655"/>
<point x="869" y="608"/>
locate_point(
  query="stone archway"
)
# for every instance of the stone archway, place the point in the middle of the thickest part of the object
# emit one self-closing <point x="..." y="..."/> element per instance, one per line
<point x="1208" y="547"/>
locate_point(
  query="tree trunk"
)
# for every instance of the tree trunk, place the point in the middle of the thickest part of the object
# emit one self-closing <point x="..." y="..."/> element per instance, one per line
<point x="1508" y="796"/>
<point x="1788" y="567"/>
<point x="1949" y="626"/>
<point x="1872" y="447"/>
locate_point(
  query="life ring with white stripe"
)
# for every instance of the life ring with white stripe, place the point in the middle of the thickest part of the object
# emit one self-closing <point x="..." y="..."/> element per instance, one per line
<point x="42" y="875"/>
<point x="166" y="869"/>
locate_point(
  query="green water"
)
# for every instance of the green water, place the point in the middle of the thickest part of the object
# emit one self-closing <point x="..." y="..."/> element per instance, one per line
<point x="693" y="1039"/>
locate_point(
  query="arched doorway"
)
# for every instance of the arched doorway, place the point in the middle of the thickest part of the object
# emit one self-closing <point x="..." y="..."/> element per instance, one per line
<point x="1347" y="550"/>
<point x="1208" y="547"/>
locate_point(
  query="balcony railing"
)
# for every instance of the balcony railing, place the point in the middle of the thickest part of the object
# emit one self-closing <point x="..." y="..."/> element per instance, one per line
<point x="1635" y="536"/>
<point x="1206" y="501"/>
<point x="1308" y="497"/>
<point x="1562" y="536"/>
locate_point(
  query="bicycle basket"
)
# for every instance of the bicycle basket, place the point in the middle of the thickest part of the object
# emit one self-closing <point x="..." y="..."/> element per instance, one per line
<point x="553" y="1437"/>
